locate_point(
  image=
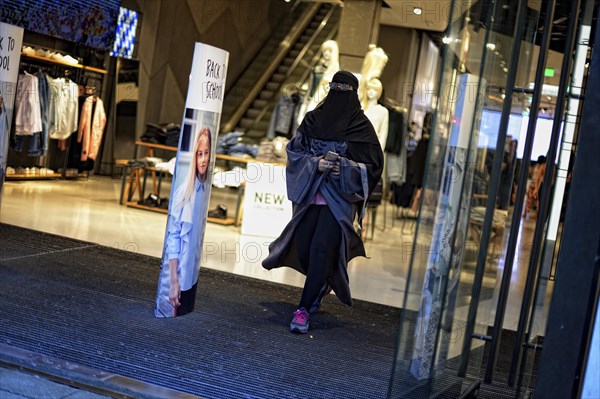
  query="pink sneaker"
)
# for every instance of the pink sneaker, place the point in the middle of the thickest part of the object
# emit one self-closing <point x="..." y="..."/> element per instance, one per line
<point x="300" y="321"/>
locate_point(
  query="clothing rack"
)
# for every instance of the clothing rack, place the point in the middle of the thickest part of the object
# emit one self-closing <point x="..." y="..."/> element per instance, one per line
<point x="77" y="73"/>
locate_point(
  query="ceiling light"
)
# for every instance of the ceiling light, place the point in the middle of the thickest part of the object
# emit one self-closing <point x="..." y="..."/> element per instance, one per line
<point x="505" y="69"/>
<point x="503" y="96"/>
<point x="417" y="10"/>
<point x="491" y="46"/>
<point x="446" y="39"/>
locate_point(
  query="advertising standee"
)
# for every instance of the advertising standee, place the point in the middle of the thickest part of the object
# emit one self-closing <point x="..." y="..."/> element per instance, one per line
<point x="192" y="181"/>
<point x="11" y="38"/>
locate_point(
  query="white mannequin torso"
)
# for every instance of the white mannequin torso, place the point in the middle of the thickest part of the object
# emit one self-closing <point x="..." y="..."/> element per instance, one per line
<point x="379" y="117"/>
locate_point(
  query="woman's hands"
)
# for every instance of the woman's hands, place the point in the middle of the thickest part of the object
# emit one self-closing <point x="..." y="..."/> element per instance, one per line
<point x="325" y="165"/>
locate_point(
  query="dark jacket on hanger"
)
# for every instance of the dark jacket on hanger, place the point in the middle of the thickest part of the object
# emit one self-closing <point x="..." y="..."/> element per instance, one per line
<point x="416" y="163"/>
<point x="396" y="131"/>
<point x="284" y="116"/>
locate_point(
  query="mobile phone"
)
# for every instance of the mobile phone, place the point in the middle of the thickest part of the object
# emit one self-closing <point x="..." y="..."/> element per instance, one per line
<point x="331" y="156"/>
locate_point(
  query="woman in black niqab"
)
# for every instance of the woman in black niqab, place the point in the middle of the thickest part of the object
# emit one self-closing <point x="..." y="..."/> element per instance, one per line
<point x="340" y="117"/>
<point x="327" y="195"/>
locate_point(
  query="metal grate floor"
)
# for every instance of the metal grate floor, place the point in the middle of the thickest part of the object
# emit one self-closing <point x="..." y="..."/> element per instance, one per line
<point x="93" y="306"/>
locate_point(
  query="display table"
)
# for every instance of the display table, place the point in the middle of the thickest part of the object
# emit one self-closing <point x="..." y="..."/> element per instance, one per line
<point x="135" y="174"/>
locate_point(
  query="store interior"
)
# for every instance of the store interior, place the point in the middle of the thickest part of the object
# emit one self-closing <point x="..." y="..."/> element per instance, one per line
<point x="116" y="194"/>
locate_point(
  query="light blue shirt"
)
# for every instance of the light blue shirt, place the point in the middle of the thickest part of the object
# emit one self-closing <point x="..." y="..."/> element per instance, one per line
<point x="185" y="233"/>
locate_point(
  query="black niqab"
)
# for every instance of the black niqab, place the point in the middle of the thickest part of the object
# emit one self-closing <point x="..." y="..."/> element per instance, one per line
<point x="339" y="116"/>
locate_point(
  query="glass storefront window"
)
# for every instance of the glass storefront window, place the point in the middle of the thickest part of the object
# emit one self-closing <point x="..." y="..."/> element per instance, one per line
<point x="463" y="142"/>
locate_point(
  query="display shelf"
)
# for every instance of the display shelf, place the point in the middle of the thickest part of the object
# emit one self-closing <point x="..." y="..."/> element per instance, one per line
<point x="59" y="62"/>
<point x="146" y="207"/>
<point x="225" y="222"/>
<point x="225" y="157"/>
<point x="133" y="180"/>
<point x="157" y="146"/>
<point x="33" y="177"/>
<point x="77" y="176"/>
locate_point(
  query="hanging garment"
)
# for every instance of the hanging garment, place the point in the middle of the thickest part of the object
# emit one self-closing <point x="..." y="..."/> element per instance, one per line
<point x="28" y="119"/>
<point x="62" y="118"/>
<point x="91" y="127"/>
<point x="284" y="117"/>
<point x="397" y="130"/>
<point x="379" y="117"/>
<point x="38" y="143"/>
<point x="395" y="146"/>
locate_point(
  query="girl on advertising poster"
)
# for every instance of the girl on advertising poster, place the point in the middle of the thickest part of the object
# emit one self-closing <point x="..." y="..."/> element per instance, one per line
<point x="185" y="231"/>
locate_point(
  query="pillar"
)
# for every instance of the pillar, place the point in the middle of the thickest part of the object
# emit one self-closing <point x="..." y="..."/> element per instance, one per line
<point x="359" y="27"/>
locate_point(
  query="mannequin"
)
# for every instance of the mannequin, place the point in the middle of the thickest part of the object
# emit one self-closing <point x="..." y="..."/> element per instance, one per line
<point x="377" y="113"/>
<point x="372" y="67"/>
<point x="320" y="77"/>
<point x="379" y="117"/>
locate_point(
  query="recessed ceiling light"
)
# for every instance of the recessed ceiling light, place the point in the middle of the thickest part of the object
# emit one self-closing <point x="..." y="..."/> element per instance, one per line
<point x="446" y="39"/>
<point x="491" y="46"/>
<point x="418" y="10"/>
<point x="505" y="69"/>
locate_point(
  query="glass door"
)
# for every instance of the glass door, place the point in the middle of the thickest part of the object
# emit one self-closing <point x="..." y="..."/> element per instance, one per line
<point x="463" y="211"/>
<point x="560" y="182"/>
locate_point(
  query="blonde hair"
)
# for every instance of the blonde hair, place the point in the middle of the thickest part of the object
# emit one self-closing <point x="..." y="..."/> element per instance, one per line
<point x="372" y="67"/>
<point x="189" y="182"/>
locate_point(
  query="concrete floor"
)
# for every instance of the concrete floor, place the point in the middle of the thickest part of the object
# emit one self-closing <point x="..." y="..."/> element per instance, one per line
<point x="16" y="384"/>
<point x="88" y="209"/>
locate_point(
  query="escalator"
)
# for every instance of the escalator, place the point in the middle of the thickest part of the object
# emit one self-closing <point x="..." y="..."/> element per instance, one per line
<point x="283" y="61"/>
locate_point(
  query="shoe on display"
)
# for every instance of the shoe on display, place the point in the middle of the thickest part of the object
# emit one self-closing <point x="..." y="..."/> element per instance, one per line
<point x="152" y="201"/>
<point x="70" y="60"/>
<point x="220" y="212"/>
<point x="56" y="56"/>
<point x="300" y="321"/>
<point x="163" y="203"/>
<point x="10" y="171"/>
<point x="28" y="50"/>
<point x="326" y="290"/>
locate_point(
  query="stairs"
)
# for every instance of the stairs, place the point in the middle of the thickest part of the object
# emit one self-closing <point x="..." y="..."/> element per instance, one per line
<point x="248" y="105"/>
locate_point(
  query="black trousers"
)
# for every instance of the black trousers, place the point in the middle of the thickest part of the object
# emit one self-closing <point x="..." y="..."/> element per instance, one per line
<point x="318" y="240"/>
<point x="187" y="301"/>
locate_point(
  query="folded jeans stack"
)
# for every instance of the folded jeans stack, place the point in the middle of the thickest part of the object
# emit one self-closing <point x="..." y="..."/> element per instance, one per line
<point x="165" y="133"/>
